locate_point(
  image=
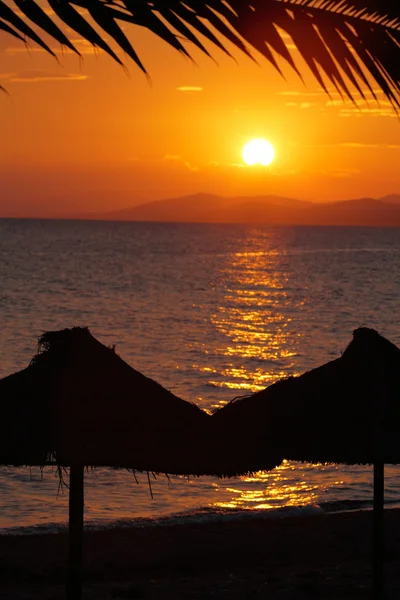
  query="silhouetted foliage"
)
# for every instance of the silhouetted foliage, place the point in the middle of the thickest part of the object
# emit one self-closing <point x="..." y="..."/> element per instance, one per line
<point x="335" y="38"/>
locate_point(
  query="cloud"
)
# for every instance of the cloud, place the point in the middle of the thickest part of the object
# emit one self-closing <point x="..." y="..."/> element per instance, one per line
<point x="177" y="158"/>
<point x="332" y="92"/>
<point x="297" y="93"/>
<point x="374" y="103"/>
<point x="36" y="76"/>
<point x="27" y="49"/>
<point x="368" y="112"/>
<point x="301" y="104"/>
<point x="368" y="107"/>
<point x="357" y="145"/>
<point x="362" y="145"/>
<point x="189" y="88"/>
<point x="82" y="45"/>
<point x="336" y="173"/>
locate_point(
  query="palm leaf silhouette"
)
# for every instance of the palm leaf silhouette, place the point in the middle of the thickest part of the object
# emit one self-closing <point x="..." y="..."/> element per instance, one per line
<point x="345" y="43"/>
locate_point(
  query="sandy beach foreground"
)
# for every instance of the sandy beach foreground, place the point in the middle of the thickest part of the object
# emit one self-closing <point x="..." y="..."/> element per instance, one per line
<point x="291" y="558"/>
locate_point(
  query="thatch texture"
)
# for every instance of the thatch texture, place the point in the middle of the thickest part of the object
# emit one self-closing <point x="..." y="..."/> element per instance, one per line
<point x="346" y="411"/>
<point x="105" y="413"/>
<point x="26" y="436"/>
<point x="81" y="403"/>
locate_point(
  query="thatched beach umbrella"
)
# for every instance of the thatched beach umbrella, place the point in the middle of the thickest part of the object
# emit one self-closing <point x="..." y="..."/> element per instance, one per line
<point x="346" y="411"/>
<point x="79" y="404"/>
<point x="120" y="418"/>
<point x="105" y="413"/>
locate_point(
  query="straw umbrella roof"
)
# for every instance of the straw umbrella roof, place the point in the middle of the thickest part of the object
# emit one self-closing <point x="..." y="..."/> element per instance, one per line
<point x="337" y="412"/>
<point x="89" y="407"/>
<point x="80" y="403"/>
<point x="26" y="433"/>
<point x="346" y="411"/>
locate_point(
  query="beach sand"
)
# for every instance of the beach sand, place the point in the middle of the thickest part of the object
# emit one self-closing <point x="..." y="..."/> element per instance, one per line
<point x="291" y="558"/>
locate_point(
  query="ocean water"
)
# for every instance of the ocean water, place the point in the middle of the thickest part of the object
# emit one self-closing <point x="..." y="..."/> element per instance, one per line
<point x="210" y="312"/>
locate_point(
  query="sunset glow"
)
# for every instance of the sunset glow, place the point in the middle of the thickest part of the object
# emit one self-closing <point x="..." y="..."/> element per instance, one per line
<point x="200" y="259"/>
<point x="258" y="152"/>
<point x="65" y="152"/>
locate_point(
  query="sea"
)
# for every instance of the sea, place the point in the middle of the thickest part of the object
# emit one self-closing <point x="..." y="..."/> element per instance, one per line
<point x="211" y="312"/>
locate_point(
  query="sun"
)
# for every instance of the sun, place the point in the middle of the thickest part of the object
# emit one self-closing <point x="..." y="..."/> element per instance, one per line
<point x="258" y="152"/>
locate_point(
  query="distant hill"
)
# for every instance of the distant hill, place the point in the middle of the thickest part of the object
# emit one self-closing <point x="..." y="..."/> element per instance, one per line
<point x="391" y="198"/>
<point x="184" y="208"/>
<point x="193" y="208"/>
<point x="279" y="210"/>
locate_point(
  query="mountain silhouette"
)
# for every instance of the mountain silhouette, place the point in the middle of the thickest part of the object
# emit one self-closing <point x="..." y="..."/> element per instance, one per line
<point x="391" y="198"/>
<point x="274" y="210"/>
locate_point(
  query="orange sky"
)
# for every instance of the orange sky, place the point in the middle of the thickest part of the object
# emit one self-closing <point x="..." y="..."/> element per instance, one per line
<point x="87" y="136"/>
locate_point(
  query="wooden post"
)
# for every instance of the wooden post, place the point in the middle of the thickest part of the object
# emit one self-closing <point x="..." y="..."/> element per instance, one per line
<point x="378" y="535"/>
<point x="76" y="503"/>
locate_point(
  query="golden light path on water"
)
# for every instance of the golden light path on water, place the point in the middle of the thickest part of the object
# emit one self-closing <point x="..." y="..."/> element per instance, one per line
<point x="273" y="489"/>
<point x="252" y="319"/>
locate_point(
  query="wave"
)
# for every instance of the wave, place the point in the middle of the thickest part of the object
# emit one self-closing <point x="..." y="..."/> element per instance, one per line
<point x="335" y="506"/>
<point x="203" y="516"/>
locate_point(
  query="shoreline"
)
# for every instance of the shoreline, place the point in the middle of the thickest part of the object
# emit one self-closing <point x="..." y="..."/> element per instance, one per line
<point x="201" y="516"/>
<point x="322" y="556"/>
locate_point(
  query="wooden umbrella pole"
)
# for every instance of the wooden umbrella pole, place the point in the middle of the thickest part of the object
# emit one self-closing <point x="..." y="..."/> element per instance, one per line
<point x="76" y="503"/>
<point x="378" y="558"/>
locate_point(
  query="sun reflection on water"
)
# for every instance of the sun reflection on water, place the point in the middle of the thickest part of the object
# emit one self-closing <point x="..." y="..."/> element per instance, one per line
<point x="257" y="345"/>
<point x="253" y="323"/>
<point x="273" y="489"/>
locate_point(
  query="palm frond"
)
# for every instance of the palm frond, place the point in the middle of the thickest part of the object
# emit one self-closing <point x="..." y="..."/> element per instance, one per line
<point x="345" y="43"/>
